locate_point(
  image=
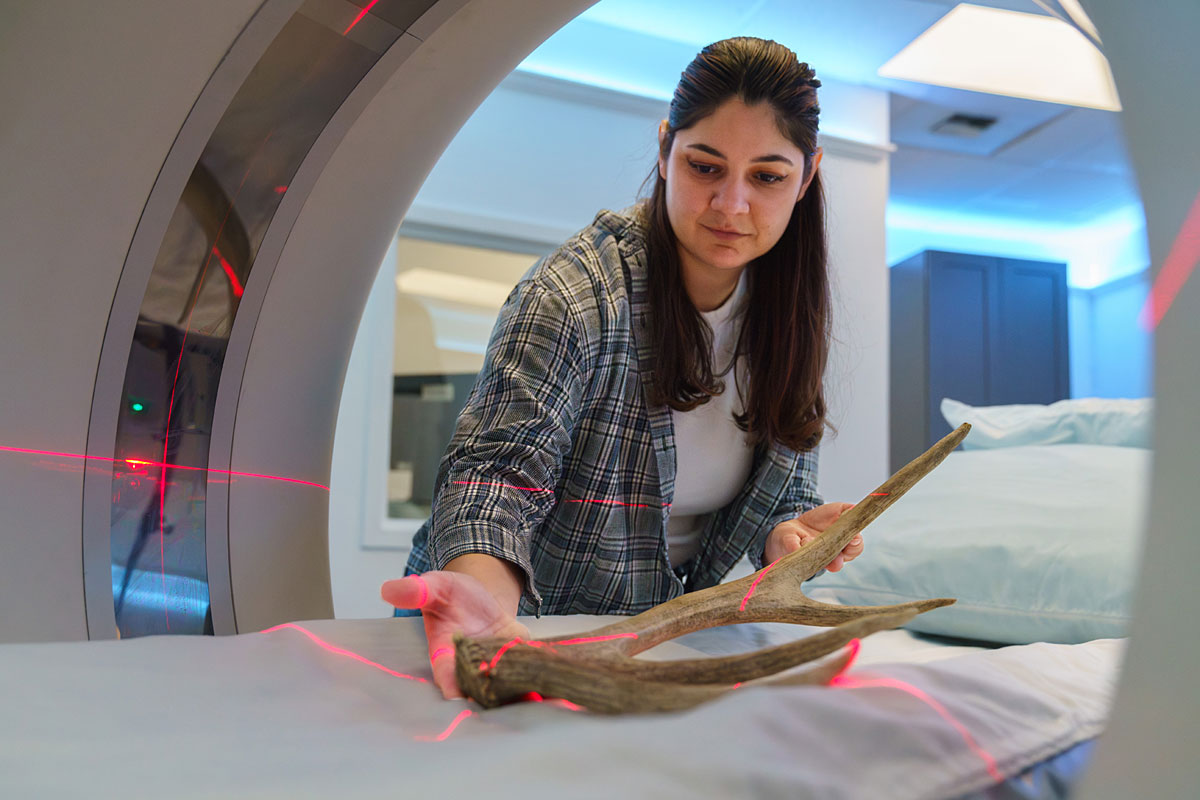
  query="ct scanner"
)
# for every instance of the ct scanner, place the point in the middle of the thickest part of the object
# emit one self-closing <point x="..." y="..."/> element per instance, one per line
<point x="283" y="142"/>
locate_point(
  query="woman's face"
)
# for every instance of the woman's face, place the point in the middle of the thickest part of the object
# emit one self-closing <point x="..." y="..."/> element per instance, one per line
<point x="732" y="180"/>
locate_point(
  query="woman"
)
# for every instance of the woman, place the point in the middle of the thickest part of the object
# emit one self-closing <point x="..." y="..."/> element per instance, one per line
<point x="650" y="404"/>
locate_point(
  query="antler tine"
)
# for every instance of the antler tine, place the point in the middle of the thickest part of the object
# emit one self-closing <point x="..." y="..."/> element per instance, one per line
<point x="774" y="593"/>
<point x="759" y="663"/>
<point x="802" y="564"/>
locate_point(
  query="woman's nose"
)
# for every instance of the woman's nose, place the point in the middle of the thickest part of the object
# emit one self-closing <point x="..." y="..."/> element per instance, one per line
<point x="730" y="198"/>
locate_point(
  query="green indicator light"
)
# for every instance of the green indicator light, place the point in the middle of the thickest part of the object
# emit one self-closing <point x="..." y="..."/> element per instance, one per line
<point x="137" y="407"/>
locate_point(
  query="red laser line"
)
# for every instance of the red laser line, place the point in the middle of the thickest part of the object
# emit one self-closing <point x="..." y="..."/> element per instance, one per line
<point x="341" y="651"/>
<point x="361" y="14"/>
<point x="879" y="494"/>
<point x="618" y="503"/>
<point x="187" y="327"/>
<point x="229" y="273"/>
<point x="538" y="489"/>
<point x="534" y="697"/>
<point x="253" y="161"/>
<point x="441" y="651"/>
<point x="850" y="682"/>
<point x="754" y="585"/>
<point x="501" y="485"/>
<point x="1181" y="260"/>
<point x="441" y="737"/>
<point x="486" y="667"/>
<point x="592" y="639"/>
<point x="854" y="645"/>
<point x="424" y="590"/>
<point x="139" y="463"/>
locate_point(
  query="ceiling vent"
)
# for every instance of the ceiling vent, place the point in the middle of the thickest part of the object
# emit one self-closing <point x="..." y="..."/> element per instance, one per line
<point x="963" y="126"/>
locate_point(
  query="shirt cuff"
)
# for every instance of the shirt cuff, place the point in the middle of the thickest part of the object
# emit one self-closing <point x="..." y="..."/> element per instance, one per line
<point x="463" y="540"/>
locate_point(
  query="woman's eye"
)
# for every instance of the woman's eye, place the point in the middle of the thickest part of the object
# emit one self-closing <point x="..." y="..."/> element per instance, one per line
<point x="770" y="177"/>
<point x="703" y="169"/>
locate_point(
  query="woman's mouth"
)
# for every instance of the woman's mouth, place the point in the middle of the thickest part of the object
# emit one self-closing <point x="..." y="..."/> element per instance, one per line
<point x="725" y="235"/>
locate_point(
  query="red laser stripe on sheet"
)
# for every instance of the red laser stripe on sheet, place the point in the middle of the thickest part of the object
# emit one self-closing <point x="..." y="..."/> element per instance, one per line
<point x="851" y="682"/>
<point x="754" y="585"/>
<point x="441" y="737"/>
<point x="341" y="651"/>
<point x="1176" y="269"/>
<point x="137" y="462"/>
<point x="361" y="14"/>
<point x="502" y="486"/>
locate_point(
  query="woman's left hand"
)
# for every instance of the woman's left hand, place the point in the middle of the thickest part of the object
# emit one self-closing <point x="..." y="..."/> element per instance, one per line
<point x="793" y="534"/>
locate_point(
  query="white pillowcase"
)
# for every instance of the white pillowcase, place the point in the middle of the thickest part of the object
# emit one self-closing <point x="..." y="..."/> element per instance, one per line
<point x="1086" y="420"/>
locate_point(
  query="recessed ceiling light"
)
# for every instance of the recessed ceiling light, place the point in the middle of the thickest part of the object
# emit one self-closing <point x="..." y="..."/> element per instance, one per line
<point x="1009" y="53"/>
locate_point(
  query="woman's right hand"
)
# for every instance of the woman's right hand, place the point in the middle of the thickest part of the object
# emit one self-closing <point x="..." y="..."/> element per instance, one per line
<point x="450" y="603"/>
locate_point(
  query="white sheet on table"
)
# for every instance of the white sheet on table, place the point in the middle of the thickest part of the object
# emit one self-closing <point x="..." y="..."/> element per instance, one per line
<point x="273" y="715"/>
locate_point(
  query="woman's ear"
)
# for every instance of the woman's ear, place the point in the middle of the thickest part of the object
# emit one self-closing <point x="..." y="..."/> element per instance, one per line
<point x="812" y="173"/>
<point x="662" y="138"/>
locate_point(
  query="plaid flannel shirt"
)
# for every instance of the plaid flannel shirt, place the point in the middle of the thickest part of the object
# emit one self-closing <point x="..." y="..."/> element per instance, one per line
<point x="560" y="465"/>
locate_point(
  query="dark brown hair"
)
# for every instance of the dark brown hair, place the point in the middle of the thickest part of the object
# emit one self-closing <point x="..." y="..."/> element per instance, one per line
<point x="786" y="329"/>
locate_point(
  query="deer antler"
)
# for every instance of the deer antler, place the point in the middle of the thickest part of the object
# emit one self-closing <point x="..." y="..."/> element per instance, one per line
<point x="597" y="669"/>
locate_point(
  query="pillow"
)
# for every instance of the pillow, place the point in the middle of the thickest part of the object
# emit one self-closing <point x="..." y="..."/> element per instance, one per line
<point x="1087" y="420"/>
<point x="1038" y="544"/>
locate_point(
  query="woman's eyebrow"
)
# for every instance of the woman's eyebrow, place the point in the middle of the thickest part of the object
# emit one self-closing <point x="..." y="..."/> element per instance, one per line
<point x="712" y="151"/>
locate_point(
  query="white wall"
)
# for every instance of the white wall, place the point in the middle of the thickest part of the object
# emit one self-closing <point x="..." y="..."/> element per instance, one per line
<point x="1123" y="348"/>
<point x="534" y="164"/>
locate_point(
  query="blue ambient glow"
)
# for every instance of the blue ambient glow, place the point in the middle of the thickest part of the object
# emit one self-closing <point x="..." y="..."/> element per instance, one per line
<point x="1105" y="249"/>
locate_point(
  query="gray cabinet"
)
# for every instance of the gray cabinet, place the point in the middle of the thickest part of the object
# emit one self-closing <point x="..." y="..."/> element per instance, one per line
<point x="980" y="329"/>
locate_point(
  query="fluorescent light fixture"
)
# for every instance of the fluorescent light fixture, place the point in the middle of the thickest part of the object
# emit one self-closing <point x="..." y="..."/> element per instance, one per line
<point x="455" y="288"/>
<point x="1010" y="53"/>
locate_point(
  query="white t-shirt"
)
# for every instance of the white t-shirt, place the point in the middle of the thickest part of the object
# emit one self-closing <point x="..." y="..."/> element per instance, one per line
<point x="713" y="457"/>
